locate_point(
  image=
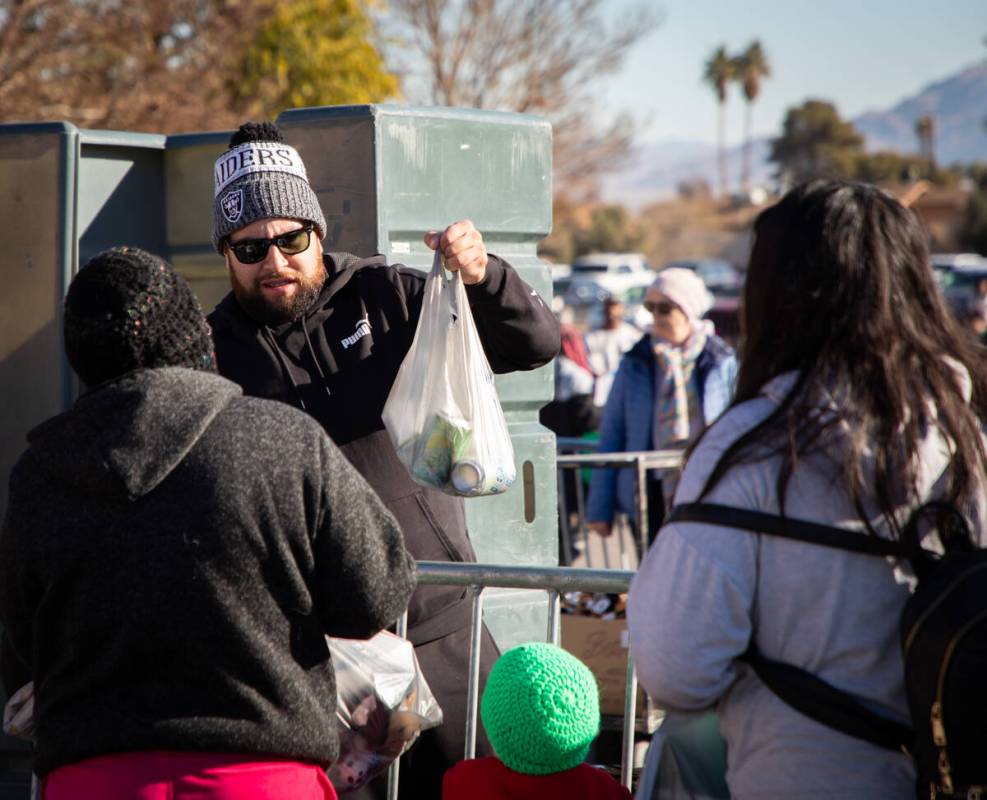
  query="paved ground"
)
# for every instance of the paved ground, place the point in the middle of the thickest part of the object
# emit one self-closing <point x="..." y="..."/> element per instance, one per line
<point x="616" y="552"/>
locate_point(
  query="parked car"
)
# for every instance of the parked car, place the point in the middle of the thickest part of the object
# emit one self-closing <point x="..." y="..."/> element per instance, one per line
<point x="585" y="292"/>
<point x="615" y="272"/>
<point x="720" y="276"/>
<point x="960" y="286"/>
<point x="561" y="278"/>
<point x="949" y="267"/>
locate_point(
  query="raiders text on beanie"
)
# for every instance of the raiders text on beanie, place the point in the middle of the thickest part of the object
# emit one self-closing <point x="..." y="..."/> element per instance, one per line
<point x="261" y="176"/>
<point x="128" y="309"/>
<point x="541" y="709"/>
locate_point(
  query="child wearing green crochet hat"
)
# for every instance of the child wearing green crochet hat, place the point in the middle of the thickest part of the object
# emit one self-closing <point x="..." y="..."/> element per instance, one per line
<point x="541" y="711"/>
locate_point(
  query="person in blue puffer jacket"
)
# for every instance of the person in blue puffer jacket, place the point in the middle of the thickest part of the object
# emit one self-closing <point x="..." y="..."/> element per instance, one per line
<point x="668" y="388"/>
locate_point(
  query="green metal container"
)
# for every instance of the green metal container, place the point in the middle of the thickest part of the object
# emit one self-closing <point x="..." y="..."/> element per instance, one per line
<point x="384" y="176"/>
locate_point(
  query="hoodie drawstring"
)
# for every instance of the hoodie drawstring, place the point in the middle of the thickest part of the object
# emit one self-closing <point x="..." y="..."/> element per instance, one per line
<point x="272" y="342"/>
<point x="318" y="366"/>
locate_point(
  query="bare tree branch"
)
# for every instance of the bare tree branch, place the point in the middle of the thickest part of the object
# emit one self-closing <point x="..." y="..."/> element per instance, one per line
<point x="529" y="56"/>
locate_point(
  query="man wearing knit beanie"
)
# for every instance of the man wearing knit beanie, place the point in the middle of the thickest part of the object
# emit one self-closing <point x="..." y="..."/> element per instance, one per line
<point x="326" y="332"/>
<point x="165" y="582"/>
<point x="541" y="709"/>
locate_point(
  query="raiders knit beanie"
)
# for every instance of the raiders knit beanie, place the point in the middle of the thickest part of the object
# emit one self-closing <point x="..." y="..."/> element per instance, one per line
<point x="541" y="709"/>
<point x="128" y="309"/>
<point x="261" y="176"/>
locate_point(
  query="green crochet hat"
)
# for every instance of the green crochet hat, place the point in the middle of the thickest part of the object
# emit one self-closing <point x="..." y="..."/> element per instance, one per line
<point x="541" y="709"/>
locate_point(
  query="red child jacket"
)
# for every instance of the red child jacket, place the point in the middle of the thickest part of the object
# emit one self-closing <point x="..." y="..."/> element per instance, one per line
<point x="488" y="779"/>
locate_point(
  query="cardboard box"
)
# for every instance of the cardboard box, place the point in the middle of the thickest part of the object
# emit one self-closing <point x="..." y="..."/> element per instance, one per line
<point x="602" y="645"/>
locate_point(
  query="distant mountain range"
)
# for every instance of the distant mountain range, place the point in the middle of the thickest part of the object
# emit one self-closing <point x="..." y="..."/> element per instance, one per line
<point x="958" y="104"/>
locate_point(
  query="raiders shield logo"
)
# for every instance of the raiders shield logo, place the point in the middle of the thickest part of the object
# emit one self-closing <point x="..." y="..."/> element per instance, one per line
<point x="232" y="205"/>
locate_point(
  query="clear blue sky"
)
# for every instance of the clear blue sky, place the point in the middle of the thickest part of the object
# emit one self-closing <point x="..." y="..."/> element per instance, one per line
<point x="860" y="54"/>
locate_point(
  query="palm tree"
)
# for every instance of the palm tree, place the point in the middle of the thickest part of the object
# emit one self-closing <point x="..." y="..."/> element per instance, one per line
<point x="751" y="68"/>
<point x="925" y="129"/>
<point x="719" y="72"/>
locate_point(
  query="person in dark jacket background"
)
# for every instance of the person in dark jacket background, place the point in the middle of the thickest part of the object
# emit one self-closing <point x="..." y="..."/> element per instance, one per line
<point x="172" y="558"/>
<point x="327" y="332"/>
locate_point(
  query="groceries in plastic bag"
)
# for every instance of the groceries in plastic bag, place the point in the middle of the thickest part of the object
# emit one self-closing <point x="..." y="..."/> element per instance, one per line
<point x="443" y="413"/>
<point x="18" y="714"/>
<point x="383" y="703"/>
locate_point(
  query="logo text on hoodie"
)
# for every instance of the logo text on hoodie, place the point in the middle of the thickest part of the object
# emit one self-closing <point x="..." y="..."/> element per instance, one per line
<point x="362" y="329"/>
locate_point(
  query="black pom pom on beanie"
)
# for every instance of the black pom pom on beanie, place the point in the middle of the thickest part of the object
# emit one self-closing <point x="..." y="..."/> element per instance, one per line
<point x="127" y="309"/>
<point x="256" y="132"/>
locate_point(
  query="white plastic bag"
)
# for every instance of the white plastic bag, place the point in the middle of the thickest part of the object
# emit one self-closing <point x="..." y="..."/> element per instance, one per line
<point x="18" y="714"/>
<point x="382" y="704"/>
<point x="443" y="413"/>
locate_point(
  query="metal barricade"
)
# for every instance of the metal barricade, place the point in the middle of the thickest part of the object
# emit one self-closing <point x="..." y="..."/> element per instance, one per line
<point x="555" y="581"/>
<point x="661" y="461"/>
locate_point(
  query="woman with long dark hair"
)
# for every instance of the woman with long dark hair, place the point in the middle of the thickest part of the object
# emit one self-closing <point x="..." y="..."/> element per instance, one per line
<point x="859" y="399"/>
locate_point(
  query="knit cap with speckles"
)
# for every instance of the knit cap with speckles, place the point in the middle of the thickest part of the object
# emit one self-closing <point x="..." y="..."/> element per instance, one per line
<point x="541" y="709"/>
<point x="127" y="309"/>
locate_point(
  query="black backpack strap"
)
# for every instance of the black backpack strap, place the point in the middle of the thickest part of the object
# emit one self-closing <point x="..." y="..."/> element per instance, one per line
<point x="798" y="529"/>
<point x="824" y="703"/>
<point x="799" y="688"/>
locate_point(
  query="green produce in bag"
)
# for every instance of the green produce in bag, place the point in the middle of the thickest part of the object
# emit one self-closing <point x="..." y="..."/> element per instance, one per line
<point x="443" y="414"/>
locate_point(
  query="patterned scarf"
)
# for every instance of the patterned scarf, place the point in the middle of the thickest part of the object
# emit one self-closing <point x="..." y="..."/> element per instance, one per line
<point x="676" y="392"/>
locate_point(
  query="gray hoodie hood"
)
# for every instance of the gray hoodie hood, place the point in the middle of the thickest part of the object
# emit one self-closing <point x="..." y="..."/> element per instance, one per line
<point x="127" y="435"/>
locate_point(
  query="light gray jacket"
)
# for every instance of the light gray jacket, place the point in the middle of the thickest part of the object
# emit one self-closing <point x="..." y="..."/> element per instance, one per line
<point x="703" y="590"/>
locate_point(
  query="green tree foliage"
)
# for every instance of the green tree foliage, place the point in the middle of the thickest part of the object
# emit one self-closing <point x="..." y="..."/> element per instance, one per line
<point x="611" y="229"/>
<point x="313" y="53"/>
<point x="816" y="143"/>
<point x="890" y="167"/>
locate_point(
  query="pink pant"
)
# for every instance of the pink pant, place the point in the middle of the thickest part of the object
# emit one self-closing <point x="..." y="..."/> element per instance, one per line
<point x="187" y="776"/>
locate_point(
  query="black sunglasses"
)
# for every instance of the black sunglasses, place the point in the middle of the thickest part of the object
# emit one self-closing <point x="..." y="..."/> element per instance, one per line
<point x="663" y="308"/>
<point x="252" y="251"/>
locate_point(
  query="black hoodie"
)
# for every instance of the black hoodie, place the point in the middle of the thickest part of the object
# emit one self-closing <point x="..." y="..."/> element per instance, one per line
<point x="338" y="364"/>
<point x="172" y="557"/>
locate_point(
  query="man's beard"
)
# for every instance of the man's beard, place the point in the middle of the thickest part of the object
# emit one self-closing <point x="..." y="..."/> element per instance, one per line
<point x="278" y="311"/>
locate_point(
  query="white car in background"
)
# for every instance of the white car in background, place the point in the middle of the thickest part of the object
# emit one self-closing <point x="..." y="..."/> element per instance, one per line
<point x="613" y="272"/>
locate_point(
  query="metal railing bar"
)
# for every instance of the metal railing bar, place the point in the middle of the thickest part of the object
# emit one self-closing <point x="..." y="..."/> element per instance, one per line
<point x="551" y="579"/>
<point x="641" y="489"/>
<point x="554" y="616"/>
<point x="651" y="459"/>
<point x="473" y="686"/>
<point x="575" y="443"/>
<point x="630" y="712"/>
<point x="563" y="579"/>
<point x="581" y="520"/>
<point x="394" y="770"/>
<point x="619" y="529"/>
<point x="564" y="521"/>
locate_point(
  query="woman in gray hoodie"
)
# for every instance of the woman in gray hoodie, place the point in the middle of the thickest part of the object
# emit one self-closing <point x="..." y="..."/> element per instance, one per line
<point x="858" y="399"/>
